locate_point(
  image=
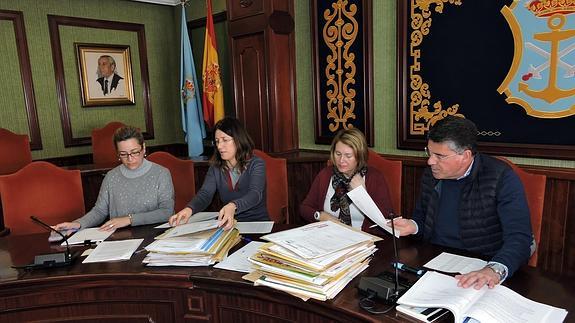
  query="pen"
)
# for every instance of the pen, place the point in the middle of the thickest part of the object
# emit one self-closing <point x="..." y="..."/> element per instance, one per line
<point x="409" y="269"/>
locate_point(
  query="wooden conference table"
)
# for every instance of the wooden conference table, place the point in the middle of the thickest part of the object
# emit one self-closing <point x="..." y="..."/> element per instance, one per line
<point x="128" y="291"/>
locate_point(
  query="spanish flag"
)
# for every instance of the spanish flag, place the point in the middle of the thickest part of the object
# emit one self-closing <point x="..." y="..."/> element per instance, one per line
<point x="213" y="99"/>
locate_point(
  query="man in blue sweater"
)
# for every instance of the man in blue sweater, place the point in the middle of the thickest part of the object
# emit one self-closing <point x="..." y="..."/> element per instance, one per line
<point x="471" y="201"/>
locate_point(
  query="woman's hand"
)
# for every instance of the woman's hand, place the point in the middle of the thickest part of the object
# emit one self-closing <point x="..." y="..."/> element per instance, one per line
<point x="324" y="216"/>
<point x="116" y="223"/>
<point x="226" y="216"/>
<point x="356" y="180"/>
<point x="181" y="217"/>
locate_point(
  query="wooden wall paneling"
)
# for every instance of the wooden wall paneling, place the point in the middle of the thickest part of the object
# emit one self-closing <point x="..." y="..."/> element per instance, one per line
<point x="300" y="178"/>
<point x="262" y="51"/>
<point x="17" y="18"/>
<point x="557" y="247"/>
<point x="569" y="231"/>
<point x="251" y="97"/>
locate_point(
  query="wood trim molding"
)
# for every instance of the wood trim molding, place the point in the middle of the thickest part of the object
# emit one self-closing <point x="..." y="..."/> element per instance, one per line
<point x="17" y="18"/>
<point x="54" y="22"/>
<point x="201" y="22"/>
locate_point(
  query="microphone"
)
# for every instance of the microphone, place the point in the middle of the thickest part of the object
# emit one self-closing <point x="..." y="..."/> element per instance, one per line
<point x="386" y="286"/>
<point x="395" y="294"/>
<point x="58" y="259"/>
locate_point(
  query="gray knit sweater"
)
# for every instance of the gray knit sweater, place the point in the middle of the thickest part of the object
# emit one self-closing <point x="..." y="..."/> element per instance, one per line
<point x="146" y="192"/>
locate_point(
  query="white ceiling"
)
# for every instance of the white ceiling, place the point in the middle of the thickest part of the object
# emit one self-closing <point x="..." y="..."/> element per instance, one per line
<point x="162" y="2"/>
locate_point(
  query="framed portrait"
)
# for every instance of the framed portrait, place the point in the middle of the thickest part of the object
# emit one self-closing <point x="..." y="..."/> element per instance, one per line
<point x="105" y="74"/>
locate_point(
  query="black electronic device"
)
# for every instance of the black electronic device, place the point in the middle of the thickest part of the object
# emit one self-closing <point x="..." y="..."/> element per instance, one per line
<point x="386" y="286"/>
<point x="383" y="286"/>
<point x="58" y="259"/>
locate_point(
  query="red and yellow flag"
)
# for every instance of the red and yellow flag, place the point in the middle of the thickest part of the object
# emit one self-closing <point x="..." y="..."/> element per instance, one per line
<point x="213" y="99"/>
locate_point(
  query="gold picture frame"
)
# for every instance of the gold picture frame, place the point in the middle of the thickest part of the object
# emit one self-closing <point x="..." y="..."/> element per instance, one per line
<point x="105" y="74"/>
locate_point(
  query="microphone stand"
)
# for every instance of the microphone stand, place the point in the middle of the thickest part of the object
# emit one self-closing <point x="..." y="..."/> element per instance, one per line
<point x="53" y="260"/>
<point x="396" y="260"/>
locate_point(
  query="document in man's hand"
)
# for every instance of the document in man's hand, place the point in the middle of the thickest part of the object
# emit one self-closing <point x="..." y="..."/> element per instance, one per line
<point x="93" y="235"/>
<point x="499" y="304"/>
<point x="367" y="206"/>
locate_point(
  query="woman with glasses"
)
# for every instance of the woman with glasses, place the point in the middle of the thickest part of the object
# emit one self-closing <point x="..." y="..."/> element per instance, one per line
<point x="327" y="198"/>
<point x="134" y="193"/>
<point x="236" y="174"/>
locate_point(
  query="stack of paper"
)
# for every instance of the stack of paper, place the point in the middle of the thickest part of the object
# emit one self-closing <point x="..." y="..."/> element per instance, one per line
<point x="499" y="304"/>
<point x="194" y="244"/>
<point x="314" y="261"/>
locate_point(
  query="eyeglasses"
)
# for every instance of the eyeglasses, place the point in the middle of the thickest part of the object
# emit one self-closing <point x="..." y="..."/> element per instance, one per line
<point x="224" y="141"/>
<point x="339" y="155"/>
<point x="133" y="154"/>
<point x="439" y="157"/>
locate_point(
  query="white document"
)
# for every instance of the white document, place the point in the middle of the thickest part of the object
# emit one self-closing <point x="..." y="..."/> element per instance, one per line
<point x="198" y="217"/>
<point x="367" y="206"/>
<point x="113" y="251"/>
<point x="318" y="239"/>
<point x="91" y="234"/>
<point x="499" y="304"/>
<point x="189" y="228"/>
<point x="238" y="261"/>
<point x="255" y="227"/>
<point x="450" y="263"/>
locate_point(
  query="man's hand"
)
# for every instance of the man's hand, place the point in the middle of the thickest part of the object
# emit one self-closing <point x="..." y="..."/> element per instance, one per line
<point x="478" y="278"/>
<point x="405" y="226"/>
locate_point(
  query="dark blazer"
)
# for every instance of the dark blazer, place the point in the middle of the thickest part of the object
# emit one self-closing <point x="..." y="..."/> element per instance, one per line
<point x="115" y="79"/>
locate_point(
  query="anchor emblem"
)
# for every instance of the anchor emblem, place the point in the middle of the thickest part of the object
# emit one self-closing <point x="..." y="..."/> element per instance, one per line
<point x="552" y="92"/>
<point x="541" y="77"/>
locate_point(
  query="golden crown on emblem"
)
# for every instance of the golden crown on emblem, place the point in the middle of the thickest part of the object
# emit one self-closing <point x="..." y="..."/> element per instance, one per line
<point x="546" y="8"/>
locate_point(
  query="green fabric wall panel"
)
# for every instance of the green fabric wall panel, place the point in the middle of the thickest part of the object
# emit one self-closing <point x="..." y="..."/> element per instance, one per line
<point x="162" y="42"/>
<point x="13" y="110"/>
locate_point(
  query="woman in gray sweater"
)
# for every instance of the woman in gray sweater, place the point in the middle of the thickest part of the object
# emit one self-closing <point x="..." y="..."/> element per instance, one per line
<point x="134" y="193"/>
<point x="236" y="174"/>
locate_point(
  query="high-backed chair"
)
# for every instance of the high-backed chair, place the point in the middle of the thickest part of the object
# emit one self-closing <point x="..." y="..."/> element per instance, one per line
<point x="276" y="186"/>
<point x="103" y="150"/>
<point x="14" y="152"/>
<point x="182" y="172"/>
<point x="51" y="193"/>
<point x="534" y="185"/>
<point x="392" y="171"/>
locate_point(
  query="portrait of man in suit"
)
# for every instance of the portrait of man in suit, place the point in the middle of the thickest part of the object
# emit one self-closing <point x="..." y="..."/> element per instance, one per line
<point x="107" y="75"/>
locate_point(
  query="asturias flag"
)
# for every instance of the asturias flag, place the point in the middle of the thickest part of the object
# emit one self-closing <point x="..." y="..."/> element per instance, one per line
<point x="192" y="117"/>
<point x="213" y="98"/>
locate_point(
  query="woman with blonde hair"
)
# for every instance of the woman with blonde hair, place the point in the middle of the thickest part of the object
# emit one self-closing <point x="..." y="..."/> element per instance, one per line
<point x="327" y="198"/>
